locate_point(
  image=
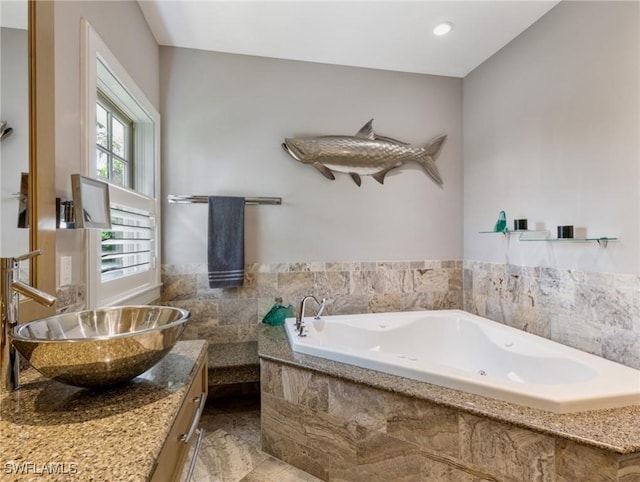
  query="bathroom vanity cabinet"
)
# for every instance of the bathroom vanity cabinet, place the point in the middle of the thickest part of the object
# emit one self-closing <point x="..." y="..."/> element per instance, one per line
<point x="184" y="433"/>
<point x="51" y="431"/>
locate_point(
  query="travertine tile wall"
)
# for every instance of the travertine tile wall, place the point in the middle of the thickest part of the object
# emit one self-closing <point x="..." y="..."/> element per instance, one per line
<point x="342" y="431"/>
<point x="595" y="312"/>
<point x="231" y="314"/>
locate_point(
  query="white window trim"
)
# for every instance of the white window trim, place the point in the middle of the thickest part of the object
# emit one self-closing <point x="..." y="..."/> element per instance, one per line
<point x="92" y="49"/>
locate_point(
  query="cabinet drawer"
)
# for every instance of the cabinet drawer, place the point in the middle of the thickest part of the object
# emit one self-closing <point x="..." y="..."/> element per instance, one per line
<point x="171" y="460"/>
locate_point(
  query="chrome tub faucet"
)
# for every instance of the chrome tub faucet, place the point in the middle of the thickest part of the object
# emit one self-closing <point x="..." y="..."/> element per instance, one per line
<point x="10" y="288"/>
<point x="300" y="317"/>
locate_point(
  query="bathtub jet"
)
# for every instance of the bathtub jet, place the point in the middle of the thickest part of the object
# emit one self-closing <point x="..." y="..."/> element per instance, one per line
<point x="458" y="350"/>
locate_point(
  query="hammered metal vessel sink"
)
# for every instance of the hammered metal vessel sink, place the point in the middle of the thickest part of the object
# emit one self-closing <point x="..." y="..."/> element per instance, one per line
<point x="100" y="347"/>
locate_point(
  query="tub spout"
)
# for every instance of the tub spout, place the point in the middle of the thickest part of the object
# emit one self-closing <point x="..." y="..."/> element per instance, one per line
<point x="300" y="317"/>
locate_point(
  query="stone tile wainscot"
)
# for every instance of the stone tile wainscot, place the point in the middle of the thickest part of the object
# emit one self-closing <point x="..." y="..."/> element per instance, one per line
<point x="594" y="312"/>
<point x="227" y="318"/>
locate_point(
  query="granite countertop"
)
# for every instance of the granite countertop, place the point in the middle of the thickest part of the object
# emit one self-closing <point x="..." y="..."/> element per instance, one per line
<point x="616" y="430"/>
<point x="52" y="431"/>
<point x="226" y="355"/>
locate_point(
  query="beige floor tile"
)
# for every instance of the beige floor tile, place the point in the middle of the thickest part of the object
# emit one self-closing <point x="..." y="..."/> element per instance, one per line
<point x="274" y="470"/>
<point x="230" y="449"/>
<point x="225" y="458"/>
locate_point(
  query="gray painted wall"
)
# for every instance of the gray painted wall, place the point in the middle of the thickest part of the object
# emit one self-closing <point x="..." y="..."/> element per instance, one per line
<point x="123" y="28"/>
<point x="14" y="150"/>
<point x="551" y="133"/>
<point x="224" y="117"/>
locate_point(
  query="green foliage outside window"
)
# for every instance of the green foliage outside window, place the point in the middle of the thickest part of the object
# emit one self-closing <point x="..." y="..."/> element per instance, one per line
<point x="114" y="139"/>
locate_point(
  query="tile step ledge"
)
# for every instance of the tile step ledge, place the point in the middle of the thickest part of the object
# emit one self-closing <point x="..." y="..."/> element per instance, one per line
<point x="231" y="363"/>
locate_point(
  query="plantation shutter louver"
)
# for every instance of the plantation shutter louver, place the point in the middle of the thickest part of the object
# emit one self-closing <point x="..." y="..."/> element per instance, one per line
<point x="128" y="247"/>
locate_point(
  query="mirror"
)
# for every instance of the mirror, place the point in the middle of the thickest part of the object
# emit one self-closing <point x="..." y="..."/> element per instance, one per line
<point x="91" y="202"/>
<point x="41" y="211"/>
<point x="14" y="128"/>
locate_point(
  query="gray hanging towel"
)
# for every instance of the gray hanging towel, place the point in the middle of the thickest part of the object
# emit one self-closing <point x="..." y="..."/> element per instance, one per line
<point x="226" y="241"/>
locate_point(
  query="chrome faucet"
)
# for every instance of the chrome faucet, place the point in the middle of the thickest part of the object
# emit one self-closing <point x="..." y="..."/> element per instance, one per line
<point x="299" y="323"/>
<point x="10" y="288"/>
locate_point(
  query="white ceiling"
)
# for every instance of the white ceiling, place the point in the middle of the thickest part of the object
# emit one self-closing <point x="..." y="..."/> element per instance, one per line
<point x="389" y="35"/>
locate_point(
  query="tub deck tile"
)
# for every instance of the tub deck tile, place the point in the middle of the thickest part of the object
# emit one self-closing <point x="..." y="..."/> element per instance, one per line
<point x="321" y="433"/>
<point x="577" y="462"/>
<point x="430" y="426"/>
<point x="363" y="408"/>
<point x="507" y="450"/>
<point x="296" y="454"/>
<point x="386" y="458"/>
<point x="271" y="379"/>
<point x="448" y="471"/>
<point x="629" y="468"/>
<point x="301" y="388"/>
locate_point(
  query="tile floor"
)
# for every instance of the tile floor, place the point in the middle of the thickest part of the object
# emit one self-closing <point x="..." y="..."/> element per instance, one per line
<point x="230" y="450"/>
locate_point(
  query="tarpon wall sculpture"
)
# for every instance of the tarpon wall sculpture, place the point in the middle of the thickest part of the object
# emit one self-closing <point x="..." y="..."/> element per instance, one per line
<point x="365" y="154"/>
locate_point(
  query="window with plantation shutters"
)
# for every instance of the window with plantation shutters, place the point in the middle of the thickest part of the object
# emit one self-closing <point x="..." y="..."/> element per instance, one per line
<point x="122" y="146"/>
<point x="125" y="262"/>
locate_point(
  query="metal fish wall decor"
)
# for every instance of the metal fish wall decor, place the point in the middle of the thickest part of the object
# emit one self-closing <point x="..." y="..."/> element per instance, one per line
<point x="365" y="154"/>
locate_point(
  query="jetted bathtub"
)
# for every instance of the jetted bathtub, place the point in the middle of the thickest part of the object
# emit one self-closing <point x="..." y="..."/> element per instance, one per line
<point x="458" y="350"/>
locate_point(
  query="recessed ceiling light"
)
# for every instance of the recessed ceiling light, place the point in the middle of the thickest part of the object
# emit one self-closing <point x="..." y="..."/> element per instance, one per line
<point x="442" y="28"/>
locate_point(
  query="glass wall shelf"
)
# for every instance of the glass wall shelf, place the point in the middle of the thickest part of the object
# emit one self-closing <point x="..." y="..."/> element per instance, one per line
<point x="543" y="236"/>
<point x="520" y="232"/>
<point x="506" y="232"/>
<point x="602" y="241"/>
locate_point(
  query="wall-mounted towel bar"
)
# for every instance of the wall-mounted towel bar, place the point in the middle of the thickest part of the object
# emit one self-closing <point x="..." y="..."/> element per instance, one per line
<point x="187" y="199"/>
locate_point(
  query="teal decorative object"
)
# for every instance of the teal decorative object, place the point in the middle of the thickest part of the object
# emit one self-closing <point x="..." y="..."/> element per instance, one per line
<point x="501" y="224"/>
<point x="278" y="313"/>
